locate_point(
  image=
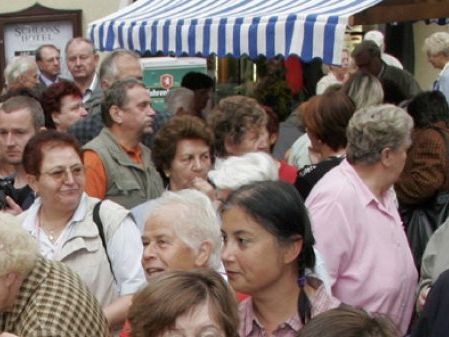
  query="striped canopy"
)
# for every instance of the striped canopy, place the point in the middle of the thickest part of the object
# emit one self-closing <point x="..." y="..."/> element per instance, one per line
<point x="307" y="28"/>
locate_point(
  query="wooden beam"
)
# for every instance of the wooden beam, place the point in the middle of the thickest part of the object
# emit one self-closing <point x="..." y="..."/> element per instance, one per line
<point x="396" y="11"/>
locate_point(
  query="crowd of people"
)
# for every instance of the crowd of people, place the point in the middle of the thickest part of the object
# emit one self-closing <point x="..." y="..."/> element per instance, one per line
<point x="120" y="220"/>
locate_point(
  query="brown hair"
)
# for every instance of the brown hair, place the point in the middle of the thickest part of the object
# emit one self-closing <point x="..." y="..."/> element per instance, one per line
<point x="327" y="116"/>
<point x="173" y="294"/>
<point x="52" y="96"/>
<point x="36" y="147"/>
<point x="349" y="322"/>
<point x="20" y="102"/>
<point x="232" y="118"/>
<point x="175" y="130"/>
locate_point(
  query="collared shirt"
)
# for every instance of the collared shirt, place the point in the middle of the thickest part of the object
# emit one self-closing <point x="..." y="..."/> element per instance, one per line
<point x="250" y="326"/>
<point x="46" y="81"/>
<point x="88" y="93"/>
<point x="53" y="301"/>
<point x="124" y="247"/>
<point x="442" y="82"/>
<point x="364" y="245"/>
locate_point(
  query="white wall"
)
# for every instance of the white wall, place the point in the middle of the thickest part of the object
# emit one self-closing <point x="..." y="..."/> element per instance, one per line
<point x="92" y="9"/>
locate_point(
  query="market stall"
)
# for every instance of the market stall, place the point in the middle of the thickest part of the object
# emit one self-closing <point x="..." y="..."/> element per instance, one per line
<point x="307" y="28"/>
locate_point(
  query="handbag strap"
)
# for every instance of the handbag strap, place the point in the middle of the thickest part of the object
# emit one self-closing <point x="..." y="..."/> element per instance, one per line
<point x="99" y="224"/>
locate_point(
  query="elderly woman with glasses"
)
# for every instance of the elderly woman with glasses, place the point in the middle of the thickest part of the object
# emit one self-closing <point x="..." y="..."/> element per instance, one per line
<point x="62" y="219"/>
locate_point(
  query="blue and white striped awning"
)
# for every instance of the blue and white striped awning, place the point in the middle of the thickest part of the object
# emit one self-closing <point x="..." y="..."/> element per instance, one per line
<point x="307" y="28"/>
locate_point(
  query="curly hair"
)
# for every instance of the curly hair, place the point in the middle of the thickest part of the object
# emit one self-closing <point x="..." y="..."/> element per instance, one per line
<point x="375" y="128"/>
<point x="18" y="249"/>
<point x="51" y="99"/>
<point x="176" y="129"/>
<point x="232" y="118"/>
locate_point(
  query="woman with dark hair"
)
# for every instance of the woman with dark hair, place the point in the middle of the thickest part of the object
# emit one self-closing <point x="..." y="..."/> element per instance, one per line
<point x="268" y="219"/>
<point x="325" y="118"/>
<point x="63" y="105"/>
<point x="426" y="170"/>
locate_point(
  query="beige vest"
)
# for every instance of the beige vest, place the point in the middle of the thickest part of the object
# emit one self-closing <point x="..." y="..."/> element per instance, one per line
<point x="128" y="183"/>
<point x="83" y="252"/>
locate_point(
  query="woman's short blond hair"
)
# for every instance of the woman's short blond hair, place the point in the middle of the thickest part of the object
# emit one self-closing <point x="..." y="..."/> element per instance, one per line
<point x="18" y="249"/>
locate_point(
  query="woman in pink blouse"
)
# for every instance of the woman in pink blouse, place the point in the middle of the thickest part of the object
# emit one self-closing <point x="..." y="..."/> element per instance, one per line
<point x="268" y="249"/>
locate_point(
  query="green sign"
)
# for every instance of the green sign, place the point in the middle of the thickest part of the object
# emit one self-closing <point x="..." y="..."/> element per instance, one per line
<point x="163" y="74"/>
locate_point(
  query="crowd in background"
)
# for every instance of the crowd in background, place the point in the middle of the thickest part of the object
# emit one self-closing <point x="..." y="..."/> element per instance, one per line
<point x="118" y="219"/>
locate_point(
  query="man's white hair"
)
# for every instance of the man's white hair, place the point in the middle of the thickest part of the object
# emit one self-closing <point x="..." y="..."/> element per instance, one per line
<point x="234" y="172"/>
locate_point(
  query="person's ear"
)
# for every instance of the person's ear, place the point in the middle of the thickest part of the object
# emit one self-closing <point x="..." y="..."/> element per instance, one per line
<point x="32" y="182"/>
<point x="386" y="157"/>
<point x="55" y="118"/>
<point x="10" y="279"/>
<point x="203" y="254"/>
<point x="96" y="58"/>
<point x="292" y="250"/>
<point x="116" y="114"/>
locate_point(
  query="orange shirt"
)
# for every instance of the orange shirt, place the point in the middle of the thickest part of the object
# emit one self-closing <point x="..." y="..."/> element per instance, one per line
<point x="96" y="180"/>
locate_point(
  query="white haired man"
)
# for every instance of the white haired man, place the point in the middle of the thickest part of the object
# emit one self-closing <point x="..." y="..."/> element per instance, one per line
<point x="436" y="47"/>
<point x="41" y="298"/>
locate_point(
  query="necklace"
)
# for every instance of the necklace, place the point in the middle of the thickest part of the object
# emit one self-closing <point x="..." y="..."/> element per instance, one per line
<point x="52" y="233"/>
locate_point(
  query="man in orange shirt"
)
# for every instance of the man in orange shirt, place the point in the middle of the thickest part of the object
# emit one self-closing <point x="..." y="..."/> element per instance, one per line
<point x="118" y="166"/>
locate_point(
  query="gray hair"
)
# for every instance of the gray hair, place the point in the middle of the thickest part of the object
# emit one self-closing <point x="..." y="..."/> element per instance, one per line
<point x="364" y="89"/>
<point x="437" y="43"/>
<point x="18" y="249"/>
<point x="24" y="102"/>
<point x="79" y="39"/>
<point x="18" y="66"/>
<point x="108" y="68"/>
<point x="179" y="98"/>
<point x="196" y="220"/>
<point x="375" y="128"/>
<point x="234" y="172"/>
<point x="117" y="94"/>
